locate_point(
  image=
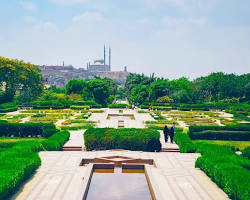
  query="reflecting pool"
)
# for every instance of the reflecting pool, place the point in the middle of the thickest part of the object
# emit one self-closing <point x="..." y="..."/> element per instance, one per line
<point x="118" y="184"/>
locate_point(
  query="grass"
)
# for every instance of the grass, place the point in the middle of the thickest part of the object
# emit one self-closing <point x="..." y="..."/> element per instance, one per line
<point x="237" y="144"/>
<point x="16" y="139"/>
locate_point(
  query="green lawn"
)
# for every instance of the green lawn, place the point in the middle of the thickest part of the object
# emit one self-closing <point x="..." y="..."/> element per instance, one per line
<point x="238" y="144"/>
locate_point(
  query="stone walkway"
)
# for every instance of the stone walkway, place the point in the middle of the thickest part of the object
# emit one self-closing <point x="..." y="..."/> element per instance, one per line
<point x="102" y="120"/>
<point x="174" y="178"/>
<point x="173" y="175"/>
<point x="76" y="139"/>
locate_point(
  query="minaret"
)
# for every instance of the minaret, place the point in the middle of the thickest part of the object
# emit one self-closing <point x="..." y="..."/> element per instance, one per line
<point x="104" y="55"/>
<point x="109" y="58"/>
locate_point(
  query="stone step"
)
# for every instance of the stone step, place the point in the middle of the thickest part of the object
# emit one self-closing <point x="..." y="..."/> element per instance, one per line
<point x="170" y="150"/>
<point x="72" y="148"/>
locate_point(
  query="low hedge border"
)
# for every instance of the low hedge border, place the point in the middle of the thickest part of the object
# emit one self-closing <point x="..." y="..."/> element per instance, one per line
<point x="118" y="105"/>
<point x="17" y="164"/>
<point x="221" y="164"/>
<point x="246" y="152"/>
<point x="21" y="160"/>
<point x="234" y="133"/>
<point x="221" y="135"/>
<point x="27" y="129"/>
<point x="56" y="141"/>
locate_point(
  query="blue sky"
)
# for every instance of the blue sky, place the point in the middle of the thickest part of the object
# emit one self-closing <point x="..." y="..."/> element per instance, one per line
<point x="171" y="38"/>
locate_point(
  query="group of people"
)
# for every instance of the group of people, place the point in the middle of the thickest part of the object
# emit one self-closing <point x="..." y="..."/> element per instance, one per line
<point x="135" y="105"/>
<point x="169" y="132"/>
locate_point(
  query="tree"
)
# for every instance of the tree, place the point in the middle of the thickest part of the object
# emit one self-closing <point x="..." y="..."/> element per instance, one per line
<point x="140" y="94"/>
<point x="19" y="76"/>
<point x="160" y="88"/>
<point x="100" y="91"/>
<point x="75" y="86"/>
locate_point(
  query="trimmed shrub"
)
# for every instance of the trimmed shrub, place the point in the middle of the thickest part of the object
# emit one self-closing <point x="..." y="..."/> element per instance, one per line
<point x="56" y="141"/>
<point x="226" y="128"/>
<point x="128" y="138"/>
<point x="221" y="135"/>
<point x="10" y="109"/>
<point x="246" y="152"/>
<point x="117" y="105"/>
<point x="27" y="129"/>
<point x="226" y="169"/>
<point x="184" y="142"/>
<point x="79" y="107"/>
<point x="17" y="164"/>
<point x="241" y="132"/>
<point x="96" y="106"/>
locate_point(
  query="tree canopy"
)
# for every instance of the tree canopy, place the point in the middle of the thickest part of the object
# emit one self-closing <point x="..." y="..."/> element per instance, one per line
<point x="214" y="87"/>
<point x="16" y="75"/>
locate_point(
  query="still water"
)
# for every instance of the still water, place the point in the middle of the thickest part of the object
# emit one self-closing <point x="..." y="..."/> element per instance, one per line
<point x="118" y="184"/>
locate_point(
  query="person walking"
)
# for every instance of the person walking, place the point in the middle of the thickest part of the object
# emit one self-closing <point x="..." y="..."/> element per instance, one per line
<point x="171" y="134"/>
<point x="166" y="133"/>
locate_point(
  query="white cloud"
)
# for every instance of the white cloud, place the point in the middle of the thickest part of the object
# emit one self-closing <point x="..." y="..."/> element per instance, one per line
<point x="143" y="21"/>
<point x="29" y="19"/>
<point x="42" y="27"/>
<point x="27" y="5"/>
<point x="67" y="2"/>
<point x="88" y="17"/>
<point x="180" y="3"/>
<point x="171" y="21"/>
<point x="199" y="21"/>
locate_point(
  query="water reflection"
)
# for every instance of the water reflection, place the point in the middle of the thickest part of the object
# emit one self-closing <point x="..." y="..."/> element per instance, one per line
<point x="118" y="184"/>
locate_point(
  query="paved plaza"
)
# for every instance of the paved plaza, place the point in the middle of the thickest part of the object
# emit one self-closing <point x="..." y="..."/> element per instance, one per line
<point x="172" y="177"/>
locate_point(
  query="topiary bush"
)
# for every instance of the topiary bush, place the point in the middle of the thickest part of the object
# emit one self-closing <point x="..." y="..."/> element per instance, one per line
<point x="27" y="129"/>
<point x="128" y="138"/>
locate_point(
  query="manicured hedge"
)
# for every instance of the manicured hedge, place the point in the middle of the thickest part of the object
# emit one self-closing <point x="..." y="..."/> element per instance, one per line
<point x="184" y="142"/>
<point x="27" y="129"/>
<point x="246" y="152"/>
<point x="241" y="133"/>
<point x="117" y="105"/>
<point x="20" y="160"/>
<point x="56" y="104"/>
<point x="228" y="170"/>
<point x="17" y="164"/>
<point x="96" y="106"/>
<point x="128" y="138"/>
<point x="79" y="107"/>
<point x="56" y="141"/>
<point x="225" y="128"/>
<point x="221" y="135"/>
<point x="10" y="109"/>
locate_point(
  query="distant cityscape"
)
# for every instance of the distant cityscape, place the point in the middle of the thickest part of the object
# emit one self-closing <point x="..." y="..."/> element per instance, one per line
<point x="59" y="75"/>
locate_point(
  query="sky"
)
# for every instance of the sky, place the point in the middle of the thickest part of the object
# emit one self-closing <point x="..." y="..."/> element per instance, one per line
<point x="171" y="38"/>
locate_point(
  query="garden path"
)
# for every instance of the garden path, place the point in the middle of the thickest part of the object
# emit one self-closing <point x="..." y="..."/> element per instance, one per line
<point x="173" y="177"/>
<point x="102" y="120"/>
<point x="76" y="139"/>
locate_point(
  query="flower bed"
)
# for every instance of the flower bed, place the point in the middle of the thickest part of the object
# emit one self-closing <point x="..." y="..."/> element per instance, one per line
<point x="128" y="138"/>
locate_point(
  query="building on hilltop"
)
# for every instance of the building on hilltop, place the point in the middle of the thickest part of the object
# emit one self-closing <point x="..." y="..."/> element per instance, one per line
<point x="100" y="65"/>
<point x="60" y="75"/>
